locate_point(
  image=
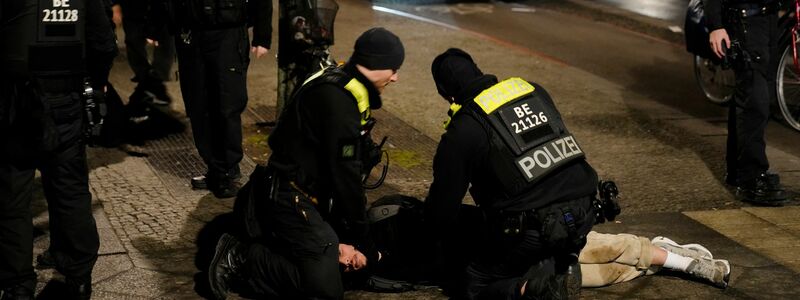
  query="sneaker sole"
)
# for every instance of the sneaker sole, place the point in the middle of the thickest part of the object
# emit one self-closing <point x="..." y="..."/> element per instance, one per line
<point x="727" y="275"/>
<point x="700" y="248"/>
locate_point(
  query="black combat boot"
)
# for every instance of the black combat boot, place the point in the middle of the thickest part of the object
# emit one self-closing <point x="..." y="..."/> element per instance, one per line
<point x="225" y="266"/>
<point x="764" y="190"/>
<point x="17" y="292"/>
<point x="79" y="289"/>
<point x="45" y="260"/>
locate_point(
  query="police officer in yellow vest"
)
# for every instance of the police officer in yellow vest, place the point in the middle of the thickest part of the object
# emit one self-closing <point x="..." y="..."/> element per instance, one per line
<point x="507" y="144"/>
<point x="316" y="211"/>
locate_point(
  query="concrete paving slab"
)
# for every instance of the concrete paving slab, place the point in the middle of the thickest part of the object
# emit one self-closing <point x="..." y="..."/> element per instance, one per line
<point x="108" y="266"/>
<point x="753" y="232"/>
<point x="144" y="283"/>
<point x="778" y="216"/>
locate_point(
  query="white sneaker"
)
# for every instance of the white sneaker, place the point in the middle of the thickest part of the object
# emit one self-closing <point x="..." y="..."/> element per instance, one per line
<point x="714" y="271"/>
<point x="688" y="250"/>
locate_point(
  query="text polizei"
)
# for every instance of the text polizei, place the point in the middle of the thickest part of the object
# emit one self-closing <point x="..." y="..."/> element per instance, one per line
<point x="548" y="156"/>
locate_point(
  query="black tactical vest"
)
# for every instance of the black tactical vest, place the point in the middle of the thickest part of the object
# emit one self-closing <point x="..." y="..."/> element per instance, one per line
<point x="338" y="77"/>
<point x="58" y="47"/>
<point x="530" y="139"/>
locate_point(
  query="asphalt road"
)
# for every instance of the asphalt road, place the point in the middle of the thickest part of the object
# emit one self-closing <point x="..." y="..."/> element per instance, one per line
<point x="643" y="64"/>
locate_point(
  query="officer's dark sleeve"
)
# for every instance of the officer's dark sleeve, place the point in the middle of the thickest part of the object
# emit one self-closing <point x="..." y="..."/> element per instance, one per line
<point x="261" y="16"/>
<point x="339" y="126"/>
<point x="451" y="174"/>
<point x="101" y="45"/>
<point x="713" y="14"/>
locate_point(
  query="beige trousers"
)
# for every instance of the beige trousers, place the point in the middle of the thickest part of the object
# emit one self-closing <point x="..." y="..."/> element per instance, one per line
<point x="613" y="258"/>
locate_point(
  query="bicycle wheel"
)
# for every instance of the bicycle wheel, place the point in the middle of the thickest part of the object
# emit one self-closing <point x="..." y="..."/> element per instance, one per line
<point x="717" y="84"/>
<point x="788" y="84"/>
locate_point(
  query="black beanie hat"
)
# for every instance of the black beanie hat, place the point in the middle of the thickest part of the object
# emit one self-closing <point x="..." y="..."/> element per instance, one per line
<point x="378" y="49"/>
<point x="453" y="71"/>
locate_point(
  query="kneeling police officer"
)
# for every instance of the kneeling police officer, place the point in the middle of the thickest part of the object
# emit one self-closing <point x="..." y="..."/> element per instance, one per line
<point x="507" y="143"/>
<point x="47" y="49"/>
<point x="310" y="212"/>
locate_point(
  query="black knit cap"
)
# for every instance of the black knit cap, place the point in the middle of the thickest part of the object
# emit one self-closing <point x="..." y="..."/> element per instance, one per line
<point x="378" y="49"/>
<point x="453" y="71"/>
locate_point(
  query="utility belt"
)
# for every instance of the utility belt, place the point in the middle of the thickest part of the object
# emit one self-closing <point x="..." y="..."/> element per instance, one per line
<point x="58" y="85"/>
<point x="747" y="10"/>
<point x="561" y="225"/>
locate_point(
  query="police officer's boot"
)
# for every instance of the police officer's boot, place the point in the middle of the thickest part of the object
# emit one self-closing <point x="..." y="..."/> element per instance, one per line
<point x="765" y="189"/>
<point x="17" y="292"/>
<point x="225" y="267"/>
<point x="79" y="289"/>
<point x="541" y="282"/>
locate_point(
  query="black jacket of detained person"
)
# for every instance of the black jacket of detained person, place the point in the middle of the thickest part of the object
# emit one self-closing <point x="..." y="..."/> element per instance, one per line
<point x="462" y="159"/>
<point x="307" y="148"/>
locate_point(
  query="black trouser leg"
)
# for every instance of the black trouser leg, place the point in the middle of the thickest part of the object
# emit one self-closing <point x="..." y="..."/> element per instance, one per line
<point x="135" y="46"/>
<point x="196" y="98"/>
<point x="751" y="106"/>
<point x="16" y="227"/>
<point x="65" y="176"/>
<point x="163" y="55"/>
<point x="303" y="258"/>
<point x="213" y="72"/>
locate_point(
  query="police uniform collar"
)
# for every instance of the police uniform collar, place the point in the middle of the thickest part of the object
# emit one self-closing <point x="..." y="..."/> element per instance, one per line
<point x="375" y="101"/>
<point x="475" y="87"/>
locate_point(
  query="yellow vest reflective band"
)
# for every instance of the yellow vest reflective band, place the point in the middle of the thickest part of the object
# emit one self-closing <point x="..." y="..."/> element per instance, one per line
<point x="503" y="92"/>
<point x="357" y="89"/>
<point x="453" y="110"/>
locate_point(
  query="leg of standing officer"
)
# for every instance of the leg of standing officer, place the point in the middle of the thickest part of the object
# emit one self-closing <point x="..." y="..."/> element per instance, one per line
<point x="752" y="101"/>
<point x="192" y="71"/>
<point x="213" y="70"/>
<point x="16" y="181"/>
<point x="16" y="227"/>
<point x="65" y="178"/>
<point x="135" y="45"/>
<point x="749" y="112"/>
<point x="163" y="55"/>
<point x="232" y="60"/>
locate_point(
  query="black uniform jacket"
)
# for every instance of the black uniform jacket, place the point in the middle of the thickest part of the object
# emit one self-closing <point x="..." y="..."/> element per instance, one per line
<point x="18" y="27"/>
<point x="308" y="147"/>
<point x="462" y="159"/>
<point x="171" y="12"/>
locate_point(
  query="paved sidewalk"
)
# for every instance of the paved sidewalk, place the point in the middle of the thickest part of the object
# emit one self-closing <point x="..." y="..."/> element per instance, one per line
<point x="149" y="217"/>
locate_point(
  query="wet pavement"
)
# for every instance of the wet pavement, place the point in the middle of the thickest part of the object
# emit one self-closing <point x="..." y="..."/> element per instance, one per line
<point x="149" y="217"/>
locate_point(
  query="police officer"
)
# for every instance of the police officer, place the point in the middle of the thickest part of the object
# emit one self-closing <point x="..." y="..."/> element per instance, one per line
<point x="507" y="143"/>
<point x="317" y="207"/>
<point x="47" y="48"/>
<point x="212" y="43"/>
<point x="747" y="29"/>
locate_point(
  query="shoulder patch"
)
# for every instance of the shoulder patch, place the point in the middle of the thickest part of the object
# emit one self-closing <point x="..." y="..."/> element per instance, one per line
<point x="348" y="149"/>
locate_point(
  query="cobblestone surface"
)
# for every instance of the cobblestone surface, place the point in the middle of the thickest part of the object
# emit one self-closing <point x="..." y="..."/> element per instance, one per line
<point x="150" y="207"/>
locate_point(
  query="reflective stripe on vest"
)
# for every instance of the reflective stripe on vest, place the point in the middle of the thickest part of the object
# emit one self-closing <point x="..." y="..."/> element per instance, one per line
<point x="503" y="92"/>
